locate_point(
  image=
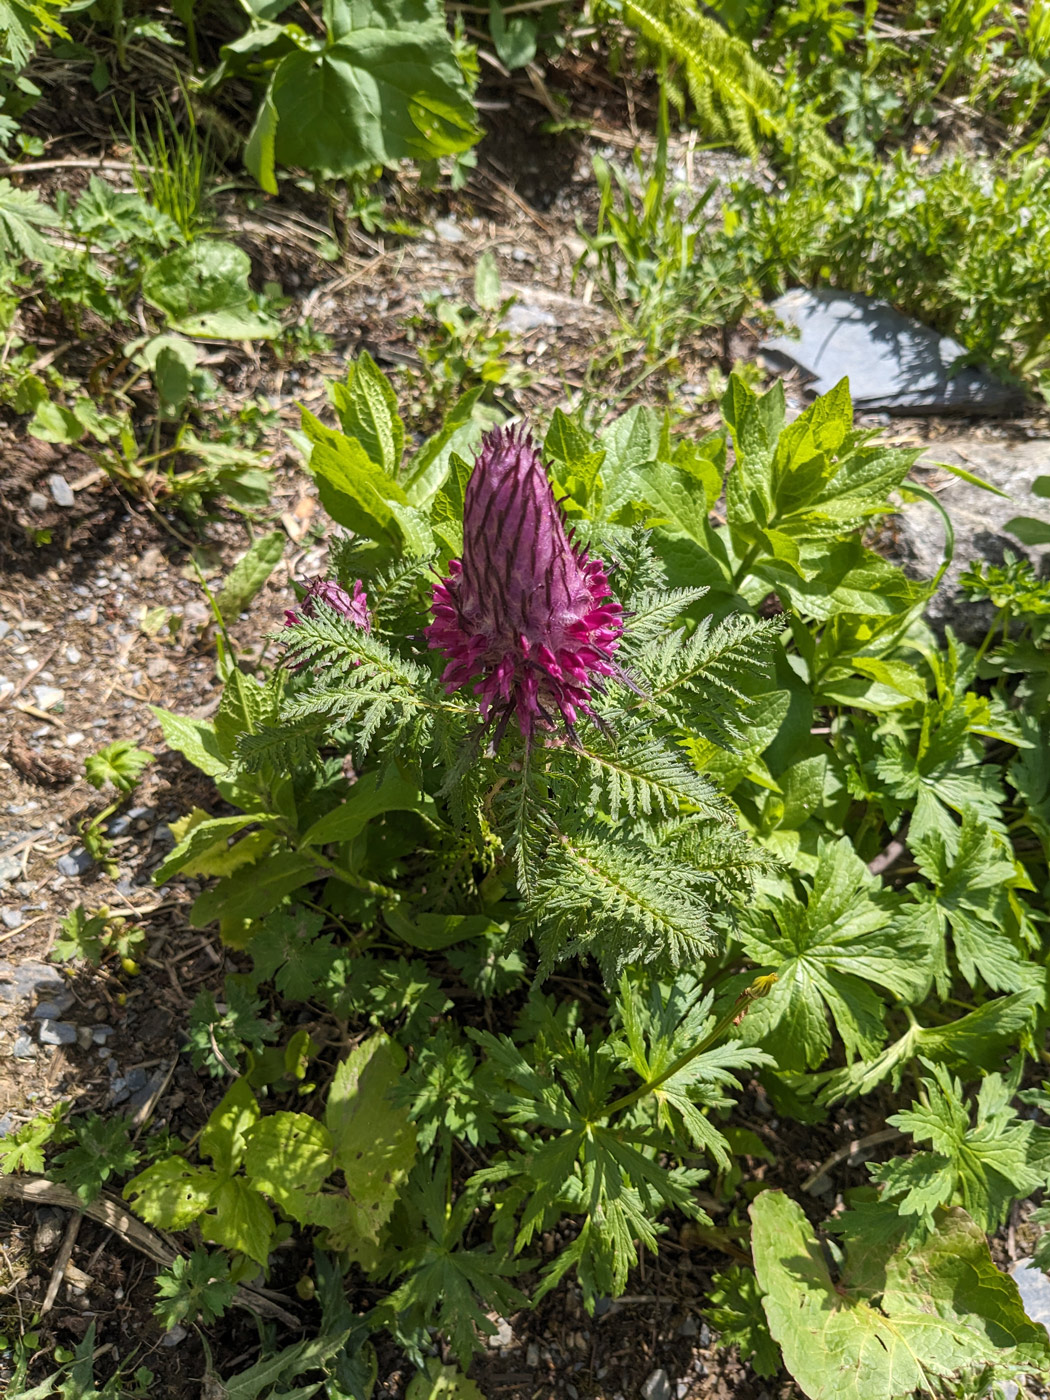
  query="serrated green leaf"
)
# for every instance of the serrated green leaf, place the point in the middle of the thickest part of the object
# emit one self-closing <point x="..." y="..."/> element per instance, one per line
<point x="249" y="574"/>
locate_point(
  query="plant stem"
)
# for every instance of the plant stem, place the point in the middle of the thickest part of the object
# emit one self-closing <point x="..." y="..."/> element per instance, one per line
<point x="744" y="567"/>
<point x="759" y="988"/>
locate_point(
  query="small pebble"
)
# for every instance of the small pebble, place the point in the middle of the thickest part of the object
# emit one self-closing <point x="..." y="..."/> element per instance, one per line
<point x="37" y="502"/>
<point x="54" y="1008"/>
<point x="136" y="1079"/>
<point x="73" y="656"/>
<point x="23" y="1048"/>
<point x="57" y="1033"/>
<point x="72" y="740"/>
<point x="503" y="1336"/>
<point x="532" y="1356"/>
<point x="100" y="1034"/>
<point x="174" y="1337"/>
<point x="84" y="1037"/>
<point x="46" y="696"/>
<point x="61" y="491"/>
<point x="13" y="918"/>
<point x="77" y="862"/>
<point x="657" y="1386"/>
<point x="448" y="231"/>
<point x="10" y="866"/>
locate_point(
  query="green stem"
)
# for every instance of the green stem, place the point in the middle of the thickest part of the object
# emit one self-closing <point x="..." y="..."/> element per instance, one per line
<point x="759" y="988"/>
<point x="745" y="566"/>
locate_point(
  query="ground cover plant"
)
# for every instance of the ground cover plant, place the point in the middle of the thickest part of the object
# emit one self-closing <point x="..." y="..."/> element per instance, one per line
<point x="806" y="851"/>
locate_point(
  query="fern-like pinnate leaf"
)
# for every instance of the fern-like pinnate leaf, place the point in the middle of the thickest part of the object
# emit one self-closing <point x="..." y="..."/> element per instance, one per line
<point x="637" y="776"/>
<point x="702" y="672"/>
<point x="619" y="901"/>
<point x="735" y="97"/>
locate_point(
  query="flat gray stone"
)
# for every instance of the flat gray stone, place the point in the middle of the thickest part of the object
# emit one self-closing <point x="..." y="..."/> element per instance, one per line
<point x="57" y="1033"/>
<point x="894" y="363"/>
<point x="61" y="491"/>
<point x="46" y="696"/>
<point x="77" y="862"/>
<point x="978" y="518"/>
<point x="10" y="868"/>
<point x="20" y="981"/>
<point x="54" y="1008"/>
<point x="23" y="1048"/>
<point x="12" y="918"/>
<point x="448" y="231"/>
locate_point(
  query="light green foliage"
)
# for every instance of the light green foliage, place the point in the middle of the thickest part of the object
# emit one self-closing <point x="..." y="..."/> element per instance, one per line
<point x="897" y="1320"/>
<point x="119" y="763"/>
<point x="101" y="1149"/>
<point x="437" y="1382"/>
<point x="94" y="937"/>
<point x="982" y="1166"/>
<point x="832" y="956"/>
<point x="23" y="1150"/>
<point x="249" y="574"/>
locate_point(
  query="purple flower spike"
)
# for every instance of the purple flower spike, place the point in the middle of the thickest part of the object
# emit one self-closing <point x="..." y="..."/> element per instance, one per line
<point x="525" y="614"/>
<point x="354" y="606"/>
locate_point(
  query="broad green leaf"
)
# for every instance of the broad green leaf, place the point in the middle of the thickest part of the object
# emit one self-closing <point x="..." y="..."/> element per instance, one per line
<point x="195" y="739"/>
<point x="254" y="890"/>
<point x="357" y="492"/>
<point x="366" y="406"/>
<point x="240" y="1220"/>
<point x="249" y="574"/>
<point x="459" y="433"/>
<point x="514" y="39"/>
<point x="829" y="956"/>
<point x="204" y="290"/>
<point x="938" y="1310"/>
<point x="373" y="1143"/>
<point x="487" y="291"/>
<point x="390" y="89"/>
<point x="439" y="1382"/>
<point x="432" y="932"/>
<point x="288" y="1156"/>
<point x="200" y="841"/>
<point x="370" y="796"/>
<point x="171" y="1194"/>
<point x="224" y="1135"/>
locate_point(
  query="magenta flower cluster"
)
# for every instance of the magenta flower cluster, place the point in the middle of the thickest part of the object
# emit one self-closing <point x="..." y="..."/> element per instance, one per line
<point x="354" y="606"/>
<point x="525" y="615"/>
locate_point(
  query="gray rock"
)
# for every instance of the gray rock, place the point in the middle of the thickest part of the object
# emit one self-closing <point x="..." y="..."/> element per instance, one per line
<point x="532" y="1356"/>
<point x="118" y="826"/>
<point x="23" y="1048"/>
<point x="19" y="981"/>
<point x="978" y="518"/>
<point x="705" y="1335"/>
<point x="100" y="1034"/>
<point x="656" y="1386"/>
<point x="10" y="868"/>
<point x="61" y="491"/>
<point x="54" y="1008"/>
<point x="174" y="1337"/>
<point x="46" y="696"/>
<point x="150" y="1087"/>
<point x="50" y="1227"/>
<point x="37" y="502"/>
<point x="894" y="363"/>
<point x="57" y="1033"/>
<point x="448" y="231"/>
<point x="13" y="918"/>
<point x="523" y="316"/>
<point x="136" y="1079"/>
<point x="77" y="862"/>
<point x="1034" y="1288"/>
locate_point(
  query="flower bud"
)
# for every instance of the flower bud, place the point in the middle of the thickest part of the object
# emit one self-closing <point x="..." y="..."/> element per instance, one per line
<point x="525" y="614"/>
